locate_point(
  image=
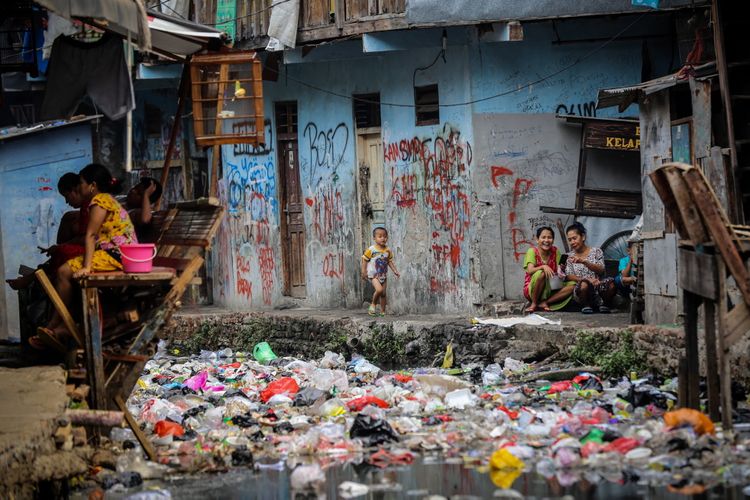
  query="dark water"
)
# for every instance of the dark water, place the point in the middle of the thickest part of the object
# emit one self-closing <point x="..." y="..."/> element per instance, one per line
<point x="421" y="479"/>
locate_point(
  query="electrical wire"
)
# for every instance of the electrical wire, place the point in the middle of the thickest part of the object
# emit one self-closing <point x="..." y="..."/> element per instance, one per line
<point x="474" y="101"/>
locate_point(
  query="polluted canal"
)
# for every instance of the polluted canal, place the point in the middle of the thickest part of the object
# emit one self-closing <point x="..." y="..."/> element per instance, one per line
<point x="233" y="425"/>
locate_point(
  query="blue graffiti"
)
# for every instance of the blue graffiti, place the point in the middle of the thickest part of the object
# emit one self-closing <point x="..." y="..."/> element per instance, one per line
<point x="251" y="188"/>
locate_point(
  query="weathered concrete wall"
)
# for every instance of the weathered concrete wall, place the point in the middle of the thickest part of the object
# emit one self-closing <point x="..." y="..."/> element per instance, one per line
<point x="524" y="161"/>
<point x="453" y="249"/>
<point x="30" y="206"/>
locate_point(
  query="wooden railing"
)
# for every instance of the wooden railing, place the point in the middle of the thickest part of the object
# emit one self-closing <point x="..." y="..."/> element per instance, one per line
<point x="318" y="19"/>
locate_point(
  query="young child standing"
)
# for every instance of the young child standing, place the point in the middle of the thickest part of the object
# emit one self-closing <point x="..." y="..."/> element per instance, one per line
<point x="375" y="263"/>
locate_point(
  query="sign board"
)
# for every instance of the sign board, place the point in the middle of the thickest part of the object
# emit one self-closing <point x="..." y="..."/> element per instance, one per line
<point x="612" y="136"/>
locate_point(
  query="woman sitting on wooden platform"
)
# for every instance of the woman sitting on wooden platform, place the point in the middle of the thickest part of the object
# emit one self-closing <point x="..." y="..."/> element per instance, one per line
<point x="109" y="227"/>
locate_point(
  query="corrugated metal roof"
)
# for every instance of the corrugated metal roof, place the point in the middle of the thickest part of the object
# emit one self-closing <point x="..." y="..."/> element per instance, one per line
<point x="625" y="96"/>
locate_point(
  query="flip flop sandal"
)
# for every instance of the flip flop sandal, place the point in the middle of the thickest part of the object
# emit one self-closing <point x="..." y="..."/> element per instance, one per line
<point x="587" y="310"/>
<point x="49" y="338"/>
<point x="604" y="310"/>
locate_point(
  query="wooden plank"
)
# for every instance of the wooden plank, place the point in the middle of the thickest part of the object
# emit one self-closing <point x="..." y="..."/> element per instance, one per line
<point x="340" y="14"/>
<point x="725" y="378"/>
<point x="690" y="306"/>
<point x="59" y="306"/>
<point x="160" y="316"/>
<point x="688" y="212"/>
<point x="716" y="223"/>
<point x="93" y="347"/>
<point x="697" y="273"/>
<point x="737" y="324"/>
<point x="145" y="443"/>
<point x="661" y="186"/>
<point x="214" y="185"/>
<point x="712" y="367"/>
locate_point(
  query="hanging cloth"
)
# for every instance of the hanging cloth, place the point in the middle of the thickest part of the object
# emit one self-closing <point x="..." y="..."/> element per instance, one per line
<point x="96" y="69"/>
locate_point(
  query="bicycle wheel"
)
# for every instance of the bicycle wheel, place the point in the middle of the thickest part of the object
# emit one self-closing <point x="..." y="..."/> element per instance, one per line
<point x="616" y="246"/>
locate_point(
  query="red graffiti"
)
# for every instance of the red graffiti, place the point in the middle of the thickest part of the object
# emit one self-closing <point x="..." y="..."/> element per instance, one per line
<point x="438" y="182"/>
<point x="497" y="171"/>
<point x="442" y="286"/>
<point x="521" y="188"/>
<point x="266" y="265"/>
<point x="45" y="188"/>
<point x="328" y="215"/>
<point x="404" y="188"/>
<point x="333" y="266"/>
<point x="244" y="287"/>
<point x="310" y="202"/>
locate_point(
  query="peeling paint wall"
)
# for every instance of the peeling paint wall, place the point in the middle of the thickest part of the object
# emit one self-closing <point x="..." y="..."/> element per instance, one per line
<point x="30" y="206"/>
<point x="452" y="250"/>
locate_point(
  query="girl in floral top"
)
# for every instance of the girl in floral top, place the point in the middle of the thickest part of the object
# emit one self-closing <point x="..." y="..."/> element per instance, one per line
<point x="585" y="265"/>
<point x="109" y="226"/>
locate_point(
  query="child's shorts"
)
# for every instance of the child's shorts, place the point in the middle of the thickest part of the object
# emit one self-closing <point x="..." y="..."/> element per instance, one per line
<point x="380" y="277"/>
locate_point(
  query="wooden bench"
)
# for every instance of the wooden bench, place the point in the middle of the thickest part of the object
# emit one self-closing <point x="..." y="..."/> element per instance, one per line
<point x="187" y="230"/>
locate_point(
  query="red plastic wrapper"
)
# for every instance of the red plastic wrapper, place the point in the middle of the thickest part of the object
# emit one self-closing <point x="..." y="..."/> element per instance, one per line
<point x="561" y="386"/>
<point x="512" y="414"/>
<point x="622" y="445"/>
<point x="284" y="385"/>
<point x="402" y="378"/>
<point x="166" y="427"/>
<point x="359" y="403"/>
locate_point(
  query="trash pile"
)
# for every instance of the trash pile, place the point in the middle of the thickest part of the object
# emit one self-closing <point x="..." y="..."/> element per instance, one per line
<point x="228" y="409"/>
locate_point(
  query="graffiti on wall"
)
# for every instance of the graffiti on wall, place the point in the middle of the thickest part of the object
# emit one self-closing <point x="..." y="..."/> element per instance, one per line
<point x="323" y="150"/>
<point x="521" y="181"/>
<point x="432" y="173"/>
<point x="247" y="127"/>
<point x="577" y="109"/>
<point x="249" y="191"/>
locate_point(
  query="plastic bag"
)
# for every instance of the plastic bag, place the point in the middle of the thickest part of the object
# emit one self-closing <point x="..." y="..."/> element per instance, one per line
<point x="284" y="385"/>
<point x="372" y="431"/>
<point x="359" y="403"/>
<point x="307" y="477"/>
<point x="307" y="396"/>
<point x="166" y="428"/>
<point x="686" y="416"/>
<point x="332" y="360"/>
<point x="505" y="468"/>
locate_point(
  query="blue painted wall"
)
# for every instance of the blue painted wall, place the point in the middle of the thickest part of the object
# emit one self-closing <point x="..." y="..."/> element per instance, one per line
<point x="433" y="174"/>
<point x="31" y="207"/>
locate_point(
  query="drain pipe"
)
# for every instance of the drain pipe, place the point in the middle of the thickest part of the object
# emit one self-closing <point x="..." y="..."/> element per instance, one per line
<point x="353" y="343"/>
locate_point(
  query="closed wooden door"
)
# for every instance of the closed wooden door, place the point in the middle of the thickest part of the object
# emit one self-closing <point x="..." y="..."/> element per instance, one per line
<point x="292" y="217"/>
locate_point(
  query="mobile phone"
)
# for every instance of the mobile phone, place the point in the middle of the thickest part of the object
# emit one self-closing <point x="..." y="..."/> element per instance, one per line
<point x="563" y="259"/>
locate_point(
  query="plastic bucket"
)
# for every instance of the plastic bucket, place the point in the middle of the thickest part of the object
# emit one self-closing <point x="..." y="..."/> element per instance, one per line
<point x="138" y="257"/>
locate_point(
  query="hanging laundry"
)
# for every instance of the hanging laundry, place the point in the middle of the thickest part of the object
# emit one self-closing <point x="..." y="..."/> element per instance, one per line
<point x="96" y="69"/>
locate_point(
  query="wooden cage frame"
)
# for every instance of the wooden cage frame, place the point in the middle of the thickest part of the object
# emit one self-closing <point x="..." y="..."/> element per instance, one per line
<point x="201" y="103"/>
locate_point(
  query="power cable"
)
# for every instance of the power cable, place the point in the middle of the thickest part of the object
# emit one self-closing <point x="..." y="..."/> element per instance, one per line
<point x="474" y="101"/>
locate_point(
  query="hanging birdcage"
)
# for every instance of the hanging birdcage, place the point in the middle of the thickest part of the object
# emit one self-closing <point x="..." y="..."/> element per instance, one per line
<point x="227" y="93"/>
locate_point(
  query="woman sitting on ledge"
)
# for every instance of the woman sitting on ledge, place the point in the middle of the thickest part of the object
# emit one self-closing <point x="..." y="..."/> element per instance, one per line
<point x="584" y="266"/>
<point x="543" y="286"/>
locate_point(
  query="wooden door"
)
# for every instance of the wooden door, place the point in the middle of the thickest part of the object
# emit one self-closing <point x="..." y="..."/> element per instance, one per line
<point x="292" y="217"/>
<point x="371" y="148"/>
<point x="371" y="190"/>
